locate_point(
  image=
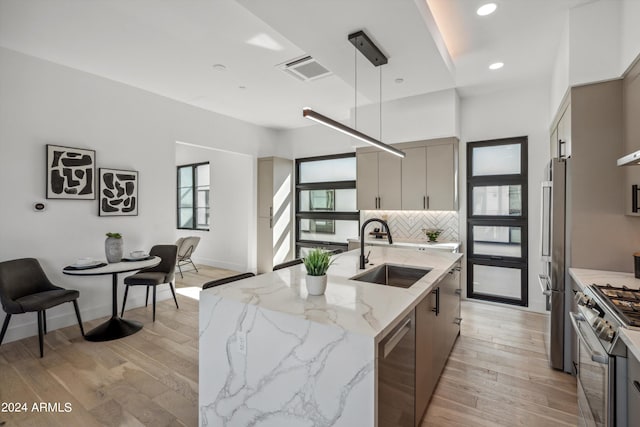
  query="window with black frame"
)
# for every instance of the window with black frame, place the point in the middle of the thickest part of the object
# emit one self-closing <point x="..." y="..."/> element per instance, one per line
<point x="193" y="196"/>
<point x="326" y="211"/>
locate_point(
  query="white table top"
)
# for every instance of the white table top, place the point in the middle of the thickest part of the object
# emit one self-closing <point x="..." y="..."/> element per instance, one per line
<point x="116" y="267"/>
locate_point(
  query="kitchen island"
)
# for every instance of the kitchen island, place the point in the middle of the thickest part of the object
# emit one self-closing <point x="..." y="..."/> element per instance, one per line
<point x="270" y="354"/>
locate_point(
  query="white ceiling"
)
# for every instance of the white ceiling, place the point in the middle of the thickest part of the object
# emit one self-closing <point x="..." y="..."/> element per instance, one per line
<point x="169" y="47"/>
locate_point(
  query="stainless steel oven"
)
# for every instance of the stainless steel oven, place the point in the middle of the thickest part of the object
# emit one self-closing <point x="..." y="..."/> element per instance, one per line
<point x="601" y="362"/>
<point x="595" y="379"/>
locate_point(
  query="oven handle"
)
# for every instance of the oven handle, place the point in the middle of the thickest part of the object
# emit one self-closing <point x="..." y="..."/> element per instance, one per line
<point x="595" y="356"/>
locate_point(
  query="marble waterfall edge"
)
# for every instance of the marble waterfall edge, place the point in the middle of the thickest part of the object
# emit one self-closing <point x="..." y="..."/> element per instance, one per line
<point x="259" y="367"/>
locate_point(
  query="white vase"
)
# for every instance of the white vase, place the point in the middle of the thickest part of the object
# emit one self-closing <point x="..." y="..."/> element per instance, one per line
<point x="316" y="285"/>
<point x="113" y="249"/>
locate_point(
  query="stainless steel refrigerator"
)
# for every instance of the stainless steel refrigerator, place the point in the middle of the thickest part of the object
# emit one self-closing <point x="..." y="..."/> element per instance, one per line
<point x="553" y="246"/>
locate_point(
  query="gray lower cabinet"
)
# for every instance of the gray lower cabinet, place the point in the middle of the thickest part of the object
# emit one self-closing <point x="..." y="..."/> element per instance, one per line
<point x="437" y="327"/>
<point x="633" y="391"/>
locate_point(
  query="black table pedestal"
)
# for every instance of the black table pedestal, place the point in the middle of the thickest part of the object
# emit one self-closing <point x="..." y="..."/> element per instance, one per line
<point x="116" y="327"/>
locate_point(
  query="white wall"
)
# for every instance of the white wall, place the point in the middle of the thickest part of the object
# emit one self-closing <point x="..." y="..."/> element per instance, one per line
<point x="231" y="240"/>
<point x="594" y="42"/>
<point x="428" y="116"/>
<point x="630" y="32"/>
<point x="560" y="73"/>
<point x="43" y="103"/>
<point x="521" y="112"/>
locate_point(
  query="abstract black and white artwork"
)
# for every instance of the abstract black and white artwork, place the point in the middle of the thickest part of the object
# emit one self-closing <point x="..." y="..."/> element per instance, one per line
<point x="70" y="173"/>
<point x="118" y="192"/>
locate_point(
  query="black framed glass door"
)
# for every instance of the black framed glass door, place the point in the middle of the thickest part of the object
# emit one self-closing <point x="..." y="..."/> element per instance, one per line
<point x="497" y="237"/>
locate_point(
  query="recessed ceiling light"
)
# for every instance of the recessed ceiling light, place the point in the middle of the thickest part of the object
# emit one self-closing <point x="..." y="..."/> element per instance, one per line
<point x="399" y="80"/>
<point x="496" y="65"/>
<point x="487" y="9"/>
<point x="220" y="67"/>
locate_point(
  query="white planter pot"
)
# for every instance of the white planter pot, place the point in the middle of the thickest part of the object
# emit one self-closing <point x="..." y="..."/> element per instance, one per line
<point x="316" y="285"/>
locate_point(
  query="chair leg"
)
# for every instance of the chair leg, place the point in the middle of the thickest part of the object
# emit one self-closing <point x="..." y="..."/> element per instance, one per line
<point x="173" y="291"/>
<point x="5" y="325"/>
<point x="146" y="299"/>
<point x="154" y="303"/>
<point x="40" y="335"/>
<point x="180" y="270"/>
<point x="124" y="301"/>
<point x="44" y="321"/>
<point x="75" y="306"/>
<point x="194" y="266"/>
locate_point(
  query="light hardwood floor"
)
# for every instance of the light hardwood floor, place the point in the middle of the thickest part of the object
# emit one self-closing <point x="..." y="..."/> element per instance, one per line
<point x="497" y="373"/>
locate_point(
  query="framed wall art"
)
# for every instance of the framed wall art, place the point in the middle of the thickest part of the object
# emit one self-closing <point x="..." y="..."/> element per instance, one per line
<point x="118" y="192"/>
<point x="70" y="173"/>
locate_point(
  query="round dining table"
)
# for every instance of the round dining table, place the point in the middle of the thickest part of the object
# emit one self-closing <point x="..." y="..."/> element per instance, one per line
<point x="116" y="327"/>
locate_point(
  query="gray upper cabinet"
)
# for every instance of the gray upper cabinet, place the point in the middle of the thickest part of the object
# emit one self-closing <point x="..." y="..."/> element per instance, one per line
<point x="378" y="181"/>
<point x="426" y="179"/>
<point x="429" y="176"/>
<point x="561" y="132"/>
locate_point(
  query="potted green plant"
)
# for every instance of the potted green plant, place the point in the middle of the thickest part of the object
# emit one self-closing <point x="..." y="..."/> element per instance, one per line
<point x="113" y="247"/>
<point x="432" y="234"/>
<point x="317" y="263"/>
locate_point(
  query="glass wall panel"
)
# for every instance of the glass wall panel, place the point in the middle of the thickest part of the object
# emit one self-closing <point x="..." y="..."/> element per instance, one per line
<point x="340" y="169"/>
<point x="328" y="230"/>
<point x="499" y="200"/>
<point x="497" y="241"/>
<point x="496" y="160"/>
<point x="339" y="200"/>
<point x="497" y="281"/>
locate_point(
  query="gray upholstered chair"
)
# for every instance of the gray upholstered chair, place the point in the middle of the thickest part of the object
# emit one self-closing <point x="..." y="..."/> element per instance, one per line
<point x="226" y="280"/>
<point x="186" y="247"/>
<point x="24" y="288"/>
<point x="288" y="264"/>
<point x="154" y="276"/>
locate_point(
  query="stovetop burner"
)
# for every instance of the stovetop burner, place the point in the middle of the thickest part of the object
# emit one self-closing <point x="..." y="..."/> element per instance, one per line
<point x="625" y="301"/>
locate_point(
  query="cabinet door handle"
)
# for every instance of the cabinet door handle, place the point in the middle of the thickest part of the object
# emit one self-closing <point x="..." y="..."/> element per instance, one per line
<point x="634" y="198"/>
<point x="458" y="291"/>
<point x="636" y="384"/>
<point x="427" y="202"/>
<point x="396" y="337"/>
<point x="457" y="320"/>
<point x="424" y="202"/>
<point x="270" y="216"/>
<point x="436" y="309"/>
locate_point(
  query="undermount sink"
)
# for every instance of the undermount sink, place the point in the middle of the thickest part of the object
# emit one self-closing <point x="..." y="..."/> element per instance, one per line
<point x="392" y="275"/>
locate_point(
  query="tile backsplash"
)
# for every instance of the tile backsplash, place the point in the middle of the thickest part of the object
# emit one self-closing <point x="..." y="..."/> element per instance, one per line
<point x="409" y="224"/>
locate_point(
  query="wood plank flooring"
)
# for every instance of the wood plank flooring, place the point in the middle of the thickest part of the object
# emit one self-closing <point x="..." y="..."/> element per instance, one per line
<point x="497" y="373"/>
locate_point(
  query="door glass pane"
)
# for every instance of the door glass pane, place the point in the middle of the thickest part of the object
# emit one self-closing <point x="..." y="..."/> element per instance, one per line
<point x="186" y="197"/>
<point x="497" y="240"/>
<point x="328" y="230"/>
<point x="496" y="160"/>
<point x="499" y="200"/>
<point x="342" y="169"/>
<point x="328" y="200"/>
<point x="497" y="281"/>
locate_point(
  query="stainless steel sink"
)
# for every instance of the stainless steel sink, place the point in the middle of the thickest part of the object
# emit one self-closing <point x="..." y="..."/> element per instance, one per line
<point x="392" y="275"/>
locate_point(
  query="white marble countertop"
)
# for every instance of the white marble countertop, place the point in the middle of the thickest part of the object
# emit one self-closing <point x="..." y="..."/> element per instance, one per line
<point x="584" y="277"/>
<point x="360" y="307"/>
<point x="453" y="246"/>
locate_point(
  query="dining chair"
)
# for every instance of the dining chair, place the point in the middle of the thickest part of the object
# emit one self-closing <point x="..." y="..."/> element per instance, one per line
<point x="153" y="276"/>
<point x="230" y="279"/>
<point x="25" y="288"/>
<point x="186" y="247"/>
<point x="288" y="264"/>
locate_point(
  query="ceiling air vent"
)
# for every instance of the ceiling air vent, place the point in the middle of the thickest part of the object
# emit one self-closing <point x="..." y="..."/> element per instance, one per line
<point x="305" y="69"/>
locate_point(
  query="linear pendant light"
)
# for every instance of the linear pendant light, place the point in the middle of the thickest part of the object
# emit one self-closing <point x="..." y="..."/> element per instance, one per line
<point x="319" y="118"/>
<point x="377" y="58"/>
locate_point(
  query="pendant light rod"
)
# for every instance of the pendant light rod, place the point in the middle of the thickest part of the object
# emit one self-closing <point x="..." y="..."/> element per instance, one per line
<point x="324" y="120"/>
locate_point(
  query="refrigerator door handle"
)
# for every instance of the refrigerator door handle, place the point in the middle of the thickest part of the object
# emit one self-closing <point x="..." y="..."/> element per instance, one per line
<point x="545" y="284"/>
<point x="545" y="221"/>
